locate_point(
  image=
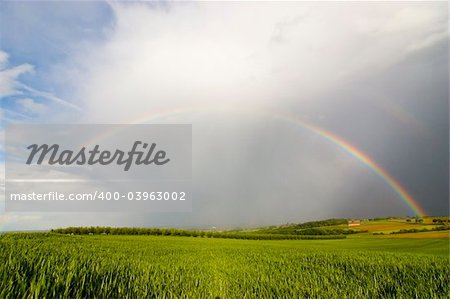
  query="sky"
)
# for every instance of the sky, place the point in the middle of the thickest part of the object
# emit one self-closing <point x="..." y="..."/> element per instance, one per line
<point x="247" y="76"/>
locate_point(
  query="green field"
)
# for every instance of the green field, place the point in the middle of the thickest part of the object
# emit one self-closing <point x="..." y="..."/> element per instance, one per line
<point x="46" y="265"/>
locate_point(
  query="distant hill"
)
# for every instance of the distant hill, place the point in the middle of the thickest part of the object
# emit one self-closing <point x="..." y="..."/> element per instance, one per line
<point x="364" y="227"/>
<point x="392" y="227"/>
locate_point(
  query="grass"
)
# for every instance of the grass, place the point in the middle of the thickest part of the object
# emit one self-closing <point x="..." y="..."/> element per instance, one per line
<point x="420" y="235"/>
<point x="39" y="265"/>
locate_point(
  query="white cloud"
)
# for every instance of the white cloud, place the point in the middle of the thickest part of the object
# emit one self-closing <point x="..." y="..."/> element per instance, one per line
<point x="3" y="59"/>
<point x="242" y="53"/>
<point x="31" y="106"/>
<point x="10" y="85"/>
<point x="48" y="96"/>
<point x="9" y="76"/>
<point x="427" y="42"/>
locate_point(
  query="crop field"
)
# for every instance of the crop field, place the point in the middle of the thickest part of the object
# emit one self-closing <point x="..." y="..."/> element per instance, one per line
<point x="420" y="235"/>
<point x="49" y="265"/>
<point x="389" y="226"/>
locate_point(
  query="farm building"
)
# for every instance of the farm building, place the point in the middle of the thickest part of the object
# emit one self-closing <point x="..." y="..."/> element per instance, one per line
<point x="354" y="222"/>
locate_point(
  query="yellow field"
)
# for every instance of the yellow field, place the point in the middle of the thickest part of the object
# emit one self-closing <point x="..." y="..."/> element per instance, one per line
<point x="422" y="235"/>
<point x="390" y="226"/>
<point x="396" y="224"/>
<point x="429" y="219"/>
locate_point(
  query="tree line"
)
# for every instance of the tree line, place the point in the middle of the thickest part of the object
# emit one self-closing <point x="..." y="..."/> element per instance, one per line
<point x="98" y="230"/>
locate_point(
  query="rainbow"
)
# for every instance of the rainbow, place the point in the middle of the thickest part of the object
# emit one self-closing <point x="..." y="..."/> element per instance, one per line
<point x="355" y="152"/>
<point x="365" y="159"/>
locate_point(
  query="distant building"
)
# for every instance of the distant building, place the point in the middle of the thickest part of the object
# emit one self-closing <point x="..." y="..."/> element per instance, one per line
<point x="354" y="222"/>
